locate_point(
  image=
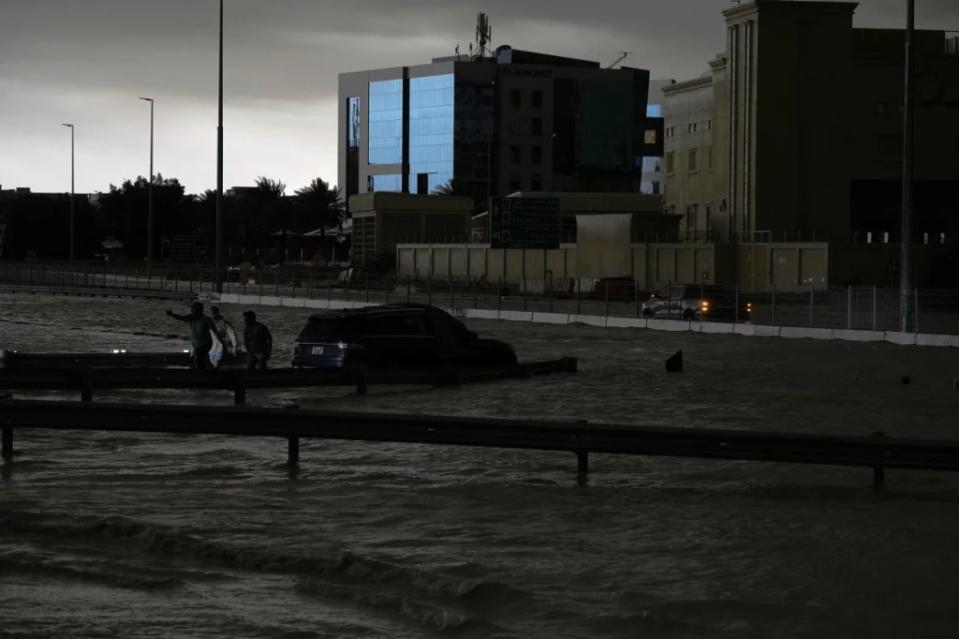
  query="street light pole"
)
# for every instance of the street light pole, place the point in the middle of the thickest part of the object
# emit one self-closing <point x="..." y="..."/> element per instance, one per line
<point x="150" y="195"/>
<point x="218" y="275"/>
<point x="72" y="184"/>
<point x="905" y="274"/>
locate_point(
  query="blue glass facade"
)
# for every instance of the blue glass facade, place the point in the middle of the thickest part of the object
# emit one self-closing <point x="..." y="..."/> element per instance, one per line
<point x="391" y="182"/>
<point x="431" y="130"/>
<point x="353" y="125"/>
<point x="386" y="122"/>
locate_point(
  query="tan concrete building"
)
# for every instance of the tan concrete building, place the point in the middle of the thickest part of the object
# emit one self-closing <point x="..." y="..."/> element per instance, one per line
<point x="795" y="132"/>
<point x="381" y="220"/>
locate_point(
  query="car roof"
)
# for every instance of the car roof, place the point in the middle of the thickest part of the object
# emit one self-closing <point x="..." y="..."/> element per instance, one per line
<point x="372" y="311"/>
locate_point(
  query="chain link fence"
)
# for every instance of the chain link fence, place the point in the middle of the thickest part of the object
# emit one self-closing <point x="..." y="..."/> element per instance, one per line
<point x="851" y="307"/>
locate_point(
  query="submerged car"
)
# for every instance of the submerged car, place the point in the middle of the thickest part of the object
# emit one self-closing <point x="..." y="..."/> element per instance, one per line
<point x="394" y="335"/>
<point x="694" y="302"/>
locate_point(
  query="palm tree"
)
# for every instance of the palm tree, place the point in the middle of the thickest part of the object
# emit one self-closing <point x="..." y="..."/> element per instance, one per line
<point x="319" y="205"/>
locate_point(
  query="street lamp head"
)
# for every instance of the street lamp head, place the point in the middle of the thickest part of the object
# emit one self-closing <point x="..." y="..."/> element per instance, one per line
<point x="67" y="125"/>
<point x="147" y="99"/>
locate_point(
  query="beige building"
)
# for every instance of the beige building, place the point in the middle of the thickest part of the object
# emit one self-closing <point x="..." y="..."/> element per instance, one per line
<point x="795" y="132"/>
<point x="381" y="220"/>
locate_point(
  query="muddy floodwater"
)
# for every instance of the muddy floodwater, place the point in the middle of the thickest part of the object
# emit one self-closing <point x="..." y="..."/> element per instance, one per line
<point x="143" y="535"/>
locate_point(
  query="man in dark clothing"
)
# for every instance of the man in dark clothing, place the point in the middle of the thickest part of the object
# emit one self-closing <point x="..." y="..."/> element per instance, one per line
<point x="202" y="330"/>
<point x="258" y="342"/>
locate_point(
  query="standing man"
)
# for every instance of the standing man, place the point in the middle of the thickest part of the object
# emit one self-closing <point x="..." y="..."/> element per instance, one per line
<point x="228" y="343"/>
<point x="202" y="331"/>
<point x="258" y="342"/>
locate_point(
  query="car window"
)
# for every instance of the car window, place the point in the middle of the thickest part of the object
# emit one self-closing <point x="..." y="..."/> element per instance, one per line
<point x="399" y="324"/>
<point x="323" y="328"/>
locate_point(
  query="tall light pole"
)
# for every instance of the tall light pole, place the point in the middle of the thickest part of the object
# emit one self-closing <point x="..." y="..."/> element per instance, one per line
<point x="150" y="195"/>
<point x="218" y="276"/>
<point x="72" y="174"/>
<point x="905" y="275"/>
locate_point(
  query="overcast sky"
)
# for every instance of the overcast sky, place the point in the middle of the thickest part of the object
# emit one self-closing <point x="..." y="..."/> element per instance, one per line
<point x="87" y="61"/>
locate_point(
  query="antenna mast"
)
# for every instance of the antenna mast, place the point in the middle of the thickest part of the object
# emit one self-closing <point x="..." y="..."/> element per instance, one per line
<point x="484" y="35"/>
<point x="622" y="56"/>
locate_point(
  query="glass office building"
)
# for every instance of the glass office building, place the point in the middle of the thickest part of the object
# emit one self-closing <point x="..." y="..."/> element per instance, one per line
<point x="431" y="116"/>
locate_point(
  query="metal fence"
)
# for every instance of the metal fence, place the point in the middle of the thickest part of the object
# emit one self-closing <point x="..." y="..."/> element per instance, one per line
<point x="850" y="307"/>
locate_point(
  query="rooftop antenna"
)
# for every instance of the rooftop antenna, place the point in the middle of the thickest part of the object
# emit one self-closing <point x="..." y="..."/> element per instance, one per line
<point x="484" y="34"/>
<point x="622" y="56"/>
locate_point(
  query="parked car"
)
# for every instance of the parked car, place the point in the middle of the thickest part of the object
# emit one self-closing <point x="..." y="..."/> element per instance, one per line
<point x="394" y="335"/>
<point x="694" y="302"/>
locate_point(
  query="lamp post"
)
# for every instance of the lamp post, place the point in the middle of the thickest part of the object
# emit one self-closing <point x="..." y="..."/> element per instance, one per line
<point x="905" y="274"/>
<point x="150" y="195"/>
<point x="218" y="275"/>
<point x="72" y="175"/>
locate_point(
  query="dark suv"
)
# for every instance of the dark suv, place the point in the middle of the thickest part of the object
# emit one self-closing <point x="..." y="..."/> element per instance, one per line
<point x="394" y="335"/>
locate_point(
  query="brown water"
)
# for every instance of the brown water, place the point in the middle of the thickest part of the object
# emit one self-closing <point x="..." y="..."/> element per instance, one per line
<point x="134" y="535"/>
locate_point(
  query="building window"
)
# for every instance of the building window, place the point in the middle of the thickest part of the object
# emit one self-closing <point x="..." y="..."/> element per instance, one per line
<point x="691" y="127"/>
<point x="514" y="184"/>
<point x="514" y="154"/>
<point x="431" y="132"/>
<point x="516" y="98"/>
<point x="390" y="182"/>
<point x="655" y="187"/>
<point x="649" y="136"/>
<point x="707" y="222"/>
<point x="691" y="220"/>
<point x="536" y="154"/>
<point x="536" y="126"/>
<point x="709" y="125"/>
<point x="352" y="146"/>
<point x="691" y="161"/>
<point x="669" y="162"/>
<point x="709" y="158"/>
<point x="537" y="99"/>
<point x="535" y="182"/>
<point x="386" y="122"/>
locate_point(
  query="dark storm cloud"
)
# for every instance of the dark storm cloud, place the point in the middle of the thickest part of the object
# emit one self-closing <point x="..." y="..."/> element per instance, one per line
<point x="88" y="59"/>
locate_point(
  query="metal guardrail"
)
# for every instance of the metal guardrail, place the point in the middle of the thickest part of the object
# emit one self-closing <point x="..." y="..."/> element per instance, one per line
<point x="87" y="379"/>
<point x="581" y="438"/>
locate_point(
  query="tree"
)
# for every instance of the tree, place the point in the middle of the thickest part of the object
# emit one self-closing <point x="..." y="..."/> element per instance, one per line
<point x="318" y="205"/>
<point x="122" y="212"/>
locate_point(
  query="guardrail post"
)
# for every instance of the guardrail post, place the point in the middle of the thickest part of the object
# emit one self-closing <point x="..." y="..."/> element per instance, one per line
<point x="359" y="376"/>
<point x="811" y="302"/>
<point x="8" y="443"/>
<point x="874" y="292"/>
<point x="578" y="297"/>
<point x="309" y="293"/>
<point x="292" y="451"/>
<point x="239" y="393"/>
<point x="878" y="471"/>
<point x="429" y="289"/>
<point x="476" y="293"/>
<point x="86" y="386"/>
<point x="582" y="467"/>
<point x="366" y="284"/>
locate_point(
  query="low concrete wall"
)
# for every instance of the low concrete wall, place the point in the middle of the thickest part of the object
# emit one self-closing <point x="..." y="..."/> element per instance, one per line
<point x="750" y="330"/>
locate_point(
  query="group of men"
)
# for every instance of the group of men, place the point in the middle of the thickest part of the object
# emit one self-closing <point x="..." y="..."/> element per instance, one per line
<point x="214" y="336"/>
